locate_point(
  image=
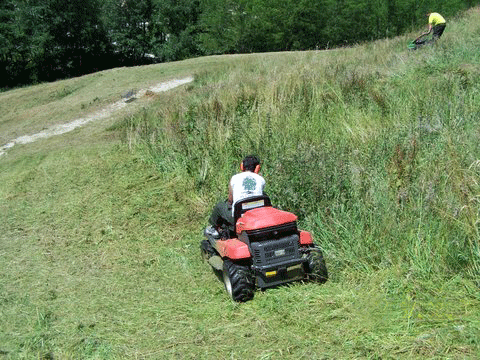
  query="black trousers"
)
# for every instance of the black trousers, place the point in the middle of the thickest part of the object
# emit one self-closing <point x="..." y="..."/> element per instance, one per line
<point x="438" y="31"/>
<point x="222" y="217"/>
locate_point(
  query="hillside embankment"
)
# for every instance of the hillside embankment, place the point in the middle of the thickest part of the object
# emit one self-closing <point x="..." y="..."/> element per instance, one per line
<point x="374" y="147"/>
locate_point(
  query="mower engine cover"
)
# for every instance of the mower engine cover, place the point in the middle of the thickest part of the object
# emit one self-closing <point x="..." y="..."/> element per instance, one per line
<point x="264" y="217"/>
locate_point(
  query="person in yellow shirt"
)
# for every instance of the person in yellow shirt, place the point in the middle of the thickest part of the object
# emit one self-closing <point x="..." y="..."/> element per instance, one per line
<point x="436" y="23"/>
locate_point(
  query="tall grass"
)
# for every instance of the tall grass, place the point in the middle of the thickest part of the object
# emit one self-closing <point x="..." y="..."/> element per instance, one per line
<point x="374" y="147"/>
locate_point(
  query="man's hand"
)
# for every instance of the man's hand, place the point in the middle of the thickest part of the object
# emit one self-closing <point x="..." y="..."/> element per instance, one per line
<point x="230" y="194"/>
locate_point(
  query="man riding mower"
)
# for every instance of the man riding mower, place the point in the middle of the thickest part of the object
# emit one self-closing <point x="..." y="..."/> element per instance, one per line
<point x="262" y="246"/>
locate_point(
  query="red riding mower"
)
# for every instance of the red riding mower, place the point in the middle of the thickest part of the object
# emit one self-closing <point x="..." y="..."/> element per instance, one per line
<point x="268" y="251"/>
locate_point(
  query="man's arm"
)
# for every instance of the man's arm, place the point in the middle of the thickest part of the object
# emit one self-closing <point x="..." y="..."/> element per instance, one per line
<point x="428" y="31"/>
<point x="425" y="33"/>
<point x="230" y="193"/>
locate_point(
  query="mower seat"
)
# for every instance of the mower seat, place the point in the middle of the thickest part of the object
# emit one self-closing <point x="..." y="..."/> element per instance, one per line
<point x="248" y="204"/>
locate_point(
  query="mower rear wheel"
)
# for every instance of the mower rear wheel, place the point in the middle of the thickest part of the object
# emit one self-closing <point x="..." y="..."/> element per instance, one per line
<point x="316" y="268"/>
<point x="238" y="280"/>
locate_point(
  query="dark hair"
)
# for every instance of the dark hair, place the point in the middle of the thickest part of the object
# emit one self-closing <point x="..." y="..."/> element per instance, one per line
<point x="250" y="162"/>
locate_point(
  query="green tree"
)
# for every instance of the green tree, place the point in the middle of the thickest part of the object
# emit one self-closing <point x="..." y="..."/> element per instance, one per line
<point x="10" y="56"/>
<point x="218" y="33"/>
<point x="179" y="20"/>
<point x="129" y="25"/>
<point x="53" y="39"/>
<point x="35" y="38"/>
<point x="77" y="34"/>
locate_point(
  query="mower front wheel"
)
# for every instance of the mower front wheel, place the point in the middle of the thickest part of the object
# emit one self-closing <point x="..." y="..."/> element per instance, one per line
<point x="206" y="249"/>
<point x="239" y="281"/>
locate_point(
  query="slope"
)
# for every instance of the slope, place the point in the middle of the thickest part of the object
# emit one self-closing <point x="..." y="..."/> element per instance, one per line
<point x="373" y="146"/>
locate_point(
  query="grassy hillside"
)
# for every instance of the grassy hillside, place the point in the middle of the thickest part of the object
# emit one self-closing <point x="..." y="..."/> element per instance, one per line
<point x="374" y="147"/>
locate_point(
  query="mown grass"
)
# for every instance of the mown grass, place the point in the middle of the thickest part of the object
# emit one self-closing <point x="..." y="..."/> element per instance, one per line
<point x="374" y="147"/>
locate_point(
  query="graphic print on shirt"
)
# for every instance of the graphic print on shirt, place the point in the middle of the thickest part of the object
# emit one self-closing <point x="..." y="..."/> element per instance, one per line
<point x="249" y="184"/>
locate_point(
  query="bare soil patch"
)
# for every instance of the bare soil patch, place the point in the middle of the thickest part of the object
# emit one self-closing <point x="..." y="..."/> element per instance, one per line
<point x="98" y="115"/>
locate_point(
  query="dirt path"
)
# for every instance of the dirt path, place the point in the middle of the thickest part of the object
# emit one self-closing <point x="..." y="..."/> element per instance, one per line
<point x="99" y="115"/>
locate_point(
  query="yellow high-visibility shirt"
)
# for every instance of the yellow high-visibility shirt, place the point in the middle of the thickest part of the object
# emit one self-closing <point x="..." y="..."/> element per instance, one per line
<point x="436" y="19"/>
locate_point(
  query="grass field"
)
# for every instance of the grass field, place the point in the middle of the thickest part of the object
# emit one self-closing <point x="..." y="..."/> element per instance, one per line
<point x="374" y="147"/>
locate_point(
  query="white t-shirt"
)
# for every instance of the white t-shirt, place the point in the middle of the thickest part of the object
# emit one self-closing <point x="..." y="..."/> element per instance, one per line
<point x="246" y="184"/>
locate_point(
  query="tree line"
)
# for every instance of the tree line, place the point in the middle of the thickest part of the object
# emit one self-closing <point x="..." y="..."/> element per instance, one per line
<point x="44" y="40"/>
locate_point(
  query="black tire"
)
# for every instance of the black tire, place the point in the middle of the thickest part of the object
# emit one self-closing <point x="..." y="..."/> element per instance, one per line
<point x="238" y="281"/>
<point x="316" y="268"/>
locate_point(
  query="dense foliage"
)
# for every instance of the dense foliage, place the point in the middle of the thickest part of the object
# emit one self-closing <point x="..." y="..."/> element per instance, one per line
<point x="374" y="147"/>
<point x="51" y="39"/>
